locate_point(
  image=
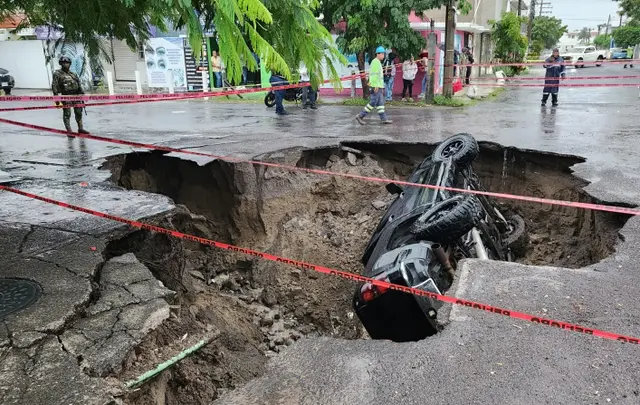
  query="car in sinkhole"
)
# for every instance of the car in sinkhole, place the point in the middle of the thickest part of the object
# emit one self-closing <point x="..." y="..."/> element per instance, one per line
<point x="424" y="233"/>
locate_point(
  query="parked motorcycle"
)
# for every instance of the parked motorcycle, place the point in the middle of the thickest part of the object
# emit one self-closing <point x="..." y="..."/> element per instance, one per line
<point x="294" y="94"/>
<point x="7" y="82"/>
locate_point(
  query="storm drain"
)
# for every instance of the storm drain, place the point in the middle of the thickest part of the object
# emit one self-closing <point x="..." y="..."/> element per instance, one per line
<point x="17" y="294"/>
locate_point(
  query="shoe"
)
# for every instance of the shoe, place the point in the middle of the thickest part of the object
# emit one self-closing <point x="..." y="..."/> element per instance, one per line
<point x="404" y="99"/>
<point x="83" y="131"/>
<point x="410" y="100"/>
<point x="387" y="121"/>
<point x="313" y="107"/>
<point x="283" y="113"/>
<point x="543" y="104"/>
<point x="554" y="104"/>
<point x="360" y="120"/>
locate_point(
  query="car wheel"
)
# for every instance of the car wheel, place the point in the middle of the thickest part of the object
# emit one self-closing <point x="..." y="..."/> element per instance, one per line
<point x="600" y="59"/>
<point x="462" y="148"/>
<point x="270" y="99"/>
<point x="580" y="65"/>
<point x="448" y="220"/>
<point x="517" y="238"/>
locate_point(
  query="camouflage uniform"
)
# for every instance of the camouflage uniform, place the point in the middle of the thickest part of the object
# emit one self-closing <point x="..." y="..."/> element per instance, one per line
<point x="68" y="83"/>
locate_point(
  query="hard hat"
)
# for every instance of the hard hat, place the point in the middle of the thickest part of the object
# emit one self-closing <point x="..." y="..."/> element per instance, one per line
<point x="380" y="49"/>
<point x="63" y="59"/>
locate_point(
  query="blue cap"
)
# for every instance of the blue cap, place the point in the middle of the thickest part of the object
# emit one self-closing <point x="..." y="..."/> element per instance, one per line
<point x="380" y="49"/>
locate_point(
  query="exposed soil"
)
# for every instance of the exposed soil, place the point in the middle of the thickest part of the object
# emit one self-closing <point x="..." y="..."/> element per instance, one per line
<point x="257" y="306"/>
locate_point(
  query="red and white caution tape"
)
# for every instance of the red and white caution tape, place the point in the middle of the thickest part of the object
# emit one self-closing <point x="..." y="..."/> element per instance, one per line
<point x="343" y="274"/>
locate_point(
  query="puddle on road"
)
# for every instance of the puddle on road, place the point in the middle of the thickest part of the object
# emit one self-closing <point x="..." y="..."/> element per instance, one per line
<point x="261" y="306"/>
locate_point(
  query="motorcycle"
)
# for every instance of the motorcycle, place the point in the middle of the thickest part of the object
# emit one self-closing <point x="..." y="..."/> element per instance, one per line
<point x="7" y="82"/>
<point x="294" y="94"/>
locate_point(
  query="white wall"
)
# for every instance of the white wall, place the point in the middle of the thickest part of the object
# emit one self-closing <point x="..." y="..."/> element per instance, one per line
<point x="26" y="63"/>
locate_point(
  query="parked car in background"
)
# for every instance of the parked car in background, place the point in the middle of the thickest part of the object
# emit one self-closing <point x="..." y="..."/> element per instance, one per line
<point x="7" y="82"/>
<point x="580" y="54"/>
<point x="619" y="53"/>
<point x="423" y="234"/>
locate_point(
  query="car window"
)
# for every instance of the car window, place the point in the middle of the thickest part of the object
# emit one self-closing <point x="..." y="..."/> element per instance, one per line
<point x="590" y="50"/>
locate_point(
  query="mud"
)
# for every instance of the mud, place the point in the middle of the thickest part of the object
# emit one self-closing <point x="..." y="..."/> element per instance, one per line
<point x="258" y="307"/>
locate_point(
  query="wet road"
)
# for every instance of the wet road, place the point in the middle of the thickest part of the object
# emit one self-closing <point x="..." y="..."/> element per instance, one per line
<point x="597" y="123"/>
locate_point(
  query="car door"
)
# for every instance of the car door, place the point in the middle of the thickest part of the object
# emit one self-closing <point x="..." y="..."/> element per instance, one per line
<point x="590" y="53"/>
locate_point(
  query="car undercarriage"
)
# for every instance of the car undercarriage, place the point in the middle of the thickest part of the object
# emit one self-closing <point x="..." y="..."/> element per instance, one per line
<point x="422" y="236"/>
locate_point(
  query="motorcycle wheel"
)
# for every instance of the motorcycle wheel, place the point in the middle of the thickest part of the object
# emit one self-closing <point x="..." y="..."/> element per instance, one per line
<point x="270" y="99"/>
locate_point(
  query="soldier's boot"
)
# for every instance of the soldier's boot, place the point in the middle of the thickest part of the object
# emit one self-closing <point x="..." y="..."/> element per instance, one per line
<point x="545" y="97"/>
<point x="554" y="100"/>
<point x="81" y="129"/>
<point x="67" y="126"/>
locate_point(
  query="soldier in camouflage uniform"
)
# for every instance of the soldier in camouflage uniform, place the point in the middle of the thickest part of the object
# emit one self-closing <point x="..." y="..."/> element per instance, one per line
<point x="66" y="82"/>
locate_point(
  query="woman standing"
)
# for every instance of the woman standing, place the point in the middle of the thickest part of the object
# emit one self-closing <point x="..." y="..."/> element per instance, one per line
<point x="409" y="71"/>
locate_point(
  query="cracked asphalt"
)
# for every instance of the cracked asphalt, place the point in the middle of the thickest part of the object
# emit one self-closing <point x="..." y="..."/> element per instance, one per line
<point x="480" y="358"/>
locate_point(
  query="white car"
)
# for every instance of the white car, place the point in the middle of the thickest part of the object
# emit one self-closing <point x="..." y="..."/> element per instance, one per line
<point x="579" y="54"/>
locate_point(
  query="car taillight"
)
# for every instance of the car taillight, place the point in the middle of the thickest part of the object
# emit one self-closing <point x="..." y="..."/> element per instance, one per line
<point x="371" y="291"/>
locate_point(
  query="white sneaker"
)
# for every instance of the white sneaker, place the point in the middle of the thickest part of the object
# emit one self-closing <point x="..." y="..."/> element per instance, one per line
<point x="404" y="99"/>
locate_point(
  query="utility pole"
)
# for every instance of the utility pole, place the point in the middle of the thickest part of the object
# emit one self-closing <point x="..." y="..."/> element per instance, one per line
<point x="519" y="7"/>
<point x="606" y="31"/>
<point x="431" y="50"/>
<point x="544" y="7"/>
<point x="532" y="15"/>
<point x="450" y="30"/>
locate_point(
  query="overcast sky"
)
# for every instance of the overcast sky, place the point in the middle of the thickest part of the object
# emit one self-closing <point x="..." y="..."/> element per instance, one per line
<point x="583" y="13"/>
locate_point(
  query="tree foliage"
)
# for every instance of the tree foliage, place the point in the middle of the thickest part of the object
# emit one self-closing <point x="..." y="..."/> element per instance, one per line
<point x="372" y="23"/>
<point x="546" y="32"/>
<point x="275" y="29"/>
<point x="630" y="8"/>
<point x="602" y="41"/>
<point x="584" y="36"/>
<point x="627" y="36"/>
<point x="510" y="43"/>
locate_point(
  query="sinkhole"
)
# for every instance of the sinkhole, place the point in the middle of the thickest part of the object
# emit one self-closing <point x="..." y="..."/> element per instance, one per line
<point x="261" y="306"/>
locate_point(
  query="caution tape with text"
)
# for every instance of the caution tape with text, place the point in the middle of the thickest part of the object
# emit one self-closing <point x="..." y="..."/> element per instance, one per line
<point x="343" y="274"/>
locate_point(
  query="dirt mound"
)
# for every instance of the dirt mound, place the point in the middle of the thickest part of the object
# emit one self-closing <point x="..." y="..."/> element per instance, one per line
<point x="258" y="306"/>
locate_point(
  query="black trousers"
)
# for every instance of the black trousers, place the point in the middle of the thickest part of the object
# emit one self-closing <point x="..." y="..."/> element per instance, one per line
<point x="408" y="86"/>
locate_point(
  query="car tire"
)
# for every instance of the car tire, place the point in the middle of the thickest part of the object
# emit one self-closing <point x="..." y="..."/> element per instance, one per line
<point x="270" y="99"/>
<point x="517" y="239"/>
<point x="581" y="65"/>
<point x="600" y="59"/>
<point x="462" y="148"/>
<point x="448" y="220"/>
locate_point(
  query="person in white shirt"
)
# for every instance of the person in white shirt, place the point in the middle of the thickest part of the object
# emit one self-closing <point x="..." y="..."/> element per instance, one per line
<point x="409" y="71"/>
<point x="309" y="95"/>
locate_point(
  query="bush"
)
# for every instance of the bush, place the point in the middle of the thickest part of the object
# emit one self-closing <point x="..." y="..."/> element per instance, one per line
<point x="439" y="99"/>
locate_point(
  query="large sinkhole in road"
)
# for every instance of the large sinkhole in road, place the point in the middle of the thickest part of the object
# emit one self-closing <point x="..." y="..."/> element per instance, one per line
<point x="261" y="306"/>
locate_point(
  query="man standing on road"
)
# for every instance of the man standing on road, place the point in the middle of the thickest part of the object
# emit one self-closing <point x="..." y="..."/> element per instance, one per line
<point x="629" y="56"/>
<point x="389" y="75"/>
<point x="278" y="79"/>
<point x="555" y="70"/>
<point x="376" y="83"/>
<point x="65" y="82"/>
<point x="309" y="95"/>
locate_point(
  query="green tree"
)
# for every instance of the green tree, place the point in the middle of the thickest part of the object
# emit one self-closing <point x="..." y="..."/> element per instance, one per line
<point x="630" y="8"/>
<point x="627" y="36"/>
<point x="602" y="41"/>
<point x="546" y="32"/>
<point x="272" y="28"/>
<point x="510" y="43"/>
<point x="584" y="36"/>
<point x="370" y="23"/>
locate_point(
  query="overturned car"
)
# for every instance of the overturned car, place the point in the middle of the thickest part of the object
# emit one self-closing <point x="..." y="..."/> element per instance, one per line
<point x="423" y="234"/>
